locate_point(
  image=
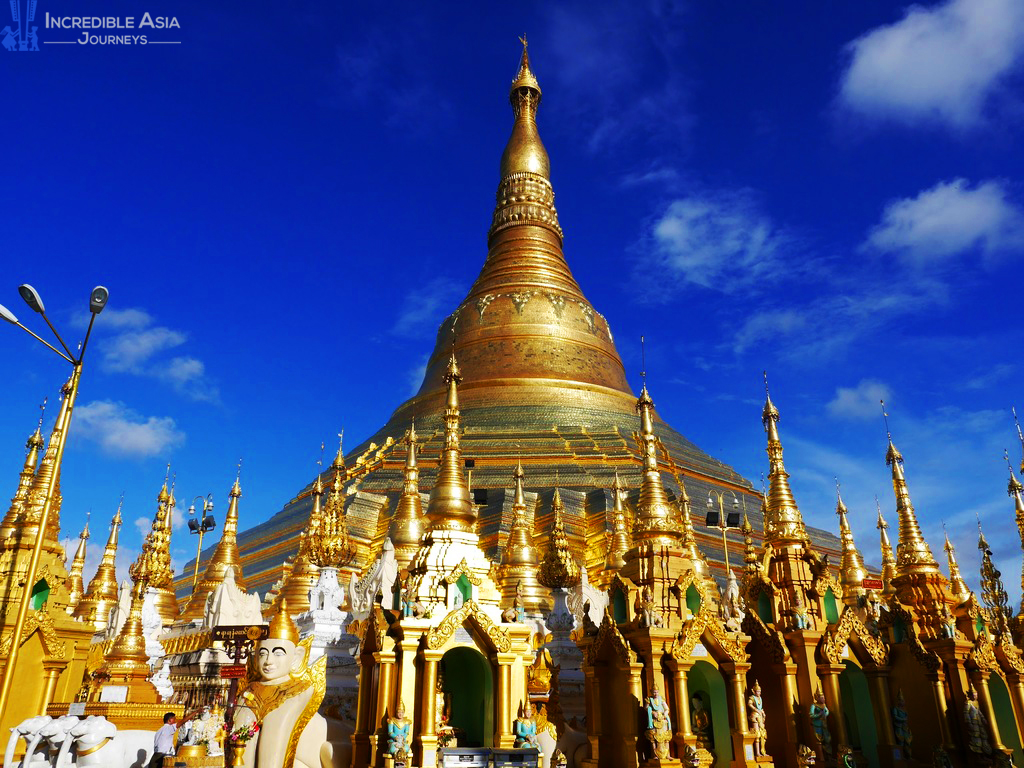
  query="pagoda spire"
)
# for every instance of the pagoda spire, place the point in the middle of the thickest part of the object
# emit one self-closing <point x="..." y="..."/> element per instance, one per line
<point x="225" y="556"/>
<point x="450" y="506"/>
<point x="1016" y="491"/>
<point x="655" y="521"/>
<point x="957" y="586"/>
<point x="786" y="523"/>
<point x="407" y="522"/>
<point x="688" y="540"/>
<point x="101" y="594"/>
<point x="328" y="543"/>
<point x="851" y="568"/>
<point x="32" y="510"/>
<point x="157" y="553"/>
<point x="559" y="569"/>
<point x="303" y="573"/>
<point x="913" y="555"/>
<point x="888" y="559"/>
<point x="74" y="583"/>
<point x="993" y="593"/>
<point x="520" y="558"/>
<point x="619" y="544"/>
<point x="750" y="560"/>
<point x="28" y="471"/>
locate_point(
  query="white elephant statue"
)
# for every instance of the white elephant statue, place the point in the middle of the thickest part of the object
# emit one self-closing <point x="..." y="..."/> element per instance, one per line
<point x="55" y="733"/>
<point x="98" y="743"/>
<point x="26" y="730"/>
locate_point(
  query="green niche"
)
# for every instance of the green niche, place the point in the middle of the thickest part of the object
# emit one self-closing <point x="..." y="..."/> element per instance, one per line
<point x="764" y="608"/>
<point x="693" y="599"/>
<point x="465" y="588"/>
<point x="40" y="594"/>
<point x="831" y="609"/>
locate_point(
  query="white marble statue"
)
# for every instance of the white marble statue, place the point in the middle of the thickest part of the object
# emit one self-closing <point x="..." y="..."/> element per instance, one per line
<point x="54" y="734"/>
<point x="584" y="593"/>
<point x="27" y="730"/>
<point x="732" y="604"/>
<point x="99" y="743"/>
<point x="379" y="580"/>
<point x="161" y="680"/>
<point x="326" y="596"/>
<point x="229" y="604"/>
<point x="152" y="626"/>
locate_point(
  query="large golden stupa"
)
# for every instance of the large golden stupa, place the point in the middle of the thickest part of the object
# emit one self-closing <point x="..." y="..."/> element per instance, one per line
<point x="542" y="382"/>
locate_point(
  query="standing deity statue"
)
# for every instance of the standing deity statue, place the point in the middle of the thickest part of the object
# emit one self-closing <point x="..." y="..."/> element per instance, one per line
<point x="700" y="722"/>
<point x="398" y="734"/>
<point x="948" y="623"/>
<point x="659" y="724"/>
<point x="819" y="721"/>
<point x="525" y="729"/>
<point x="901" y="725"/>
<point x="281" y="694"/>
<point x="756" y="720"/>
<point x="647" y="609"/>
<point x="515" y="613"/>
<point x="799" y="611"/>
<point x="977" y="726"/>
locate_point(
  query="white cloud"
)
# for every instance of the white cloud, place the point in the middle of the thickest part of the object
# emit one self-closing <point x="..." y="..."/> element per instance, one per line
<point x="860" y="403"/>
<point x="120" y="431"/>
<point x="941" y="64"/>
<point x="423" y="309"/>
<point x="719" y="240"/>
<point x="950" y="219"/>
<point x="137" y="348"/>
<point x="143" y="525"/>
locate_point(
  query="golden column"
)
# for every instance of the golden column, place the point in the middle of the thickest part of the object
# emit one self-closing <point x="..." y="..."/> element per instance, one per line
<point x="97" y="300"/>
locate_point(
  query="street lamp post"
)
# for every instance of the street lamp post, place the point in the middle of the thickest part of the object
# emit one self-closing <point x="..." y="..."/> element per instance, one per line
<point x="97" y="300"/>
<point x="719" y="518"/>
<point x="200" y="525"/>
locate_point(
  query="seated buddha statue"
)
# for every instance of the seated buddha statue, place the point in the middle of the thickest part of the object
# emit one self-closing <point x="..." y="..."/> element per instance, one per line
<point x="282" y="693"/>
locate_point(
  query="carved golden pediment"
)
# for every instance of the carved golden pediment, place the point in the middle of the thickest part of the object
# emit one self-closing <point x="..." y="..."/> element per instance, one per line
<point x="41" y="621"/>
<point x="770" y="639"/>
<point x="439" y="636"/>
<point x="462" y="569"/>
<point x="983" y="655"/>
<point x="707" y="628"/>
<point x="608" y="634"/>
<point x="838" y="635"/>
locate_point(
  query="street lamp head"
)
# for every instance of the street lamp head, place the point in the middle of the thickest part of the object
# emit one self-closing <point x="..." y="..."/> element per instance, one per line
<point x="191" y="510"/>
<point x="32" y="298"/>
<point x="711" y="501"/>
<point x="735" y="501"/>
<point x="7" y="315"/>
<point x="98" y="299"/>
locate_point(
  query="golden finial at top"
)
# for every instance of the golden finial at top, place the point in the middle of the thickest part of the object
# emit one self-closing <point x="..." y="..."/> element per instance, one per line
<point x="851" y="570"/>
<point x="524" y="77"/>
<point x="1020" y="436"/>
<point x="339" y="460"/>
<point x="957" y="586"/>
<point x="525" y="153"/>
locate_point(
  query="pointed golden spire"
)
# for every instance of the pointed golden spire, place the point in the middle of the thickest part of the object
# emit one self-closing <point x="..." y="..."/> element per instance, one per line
<point x="101" y="594"/>
<point x="786" y="523"/>
<point x="688" y="540"/>
<point x="302" y="573"/>
<point x="525" y="152"/>
<point x="520" y="558"/>
<point x="28" y="471"/>
<point x="450" y="506"/>
<point x="619" y="544"/>
<point x="338" y="465"/>
<point x="76" y="589"/>
<point x="407" y="523"/>
<point x="957" y="586"/>
<point x="28" y="522"/>
<point x="749" y="550"/>
<point x="1020" y="436"/>
<point x="851" y="569"/>
<point x="913" y="555"/>
<point x="655" y="520"/>
<point x="155" y="559"/>
<point x="888" y="559"/>
<point x="993" y="593"/>
<point x="1016" y="491"/>
<point x="225" y="556"/>
<point x="559" y="569"/>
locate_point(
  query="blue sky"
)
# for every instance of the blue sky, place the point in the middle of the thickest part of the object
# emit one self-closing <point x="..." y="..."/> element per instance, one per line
<point x="285" y="205"/>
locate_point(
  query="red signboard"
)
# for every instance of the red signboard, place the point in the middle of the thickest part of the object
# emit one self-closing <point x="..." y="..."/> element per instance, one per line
<point x="872" y="583"/>
<point x="233" y="670"/>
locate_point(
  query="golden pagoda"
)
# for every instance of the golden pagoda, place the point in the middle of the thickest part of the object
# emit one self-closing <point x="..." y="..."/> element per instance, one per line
<point x="101" y="595"/>
<point x="407" y="525"/>
<point x="224" y="556"/>
<point x="159" y="575"/>
<point x="558" y="569"/>
<point x="851" y="569"/>
<point x="28" y="471"/>
<point x="888" y="558"/>
<point x="957" y="586"/>
<point x="520" y="558"/>
<point x="76" y="587"/>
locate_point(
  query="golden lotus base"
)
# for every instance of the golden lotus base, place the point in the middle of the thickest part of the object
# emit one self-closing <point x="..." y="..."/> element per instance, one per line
<point x="139" y="717"/>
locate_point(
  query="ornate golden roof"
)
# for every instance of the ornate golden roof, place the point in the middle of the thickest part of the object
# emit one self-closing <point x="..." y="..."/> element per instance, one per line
<point x="153" y="565"/>
<point x="407" y="527"/>
<point x="957" y="586"/>
<point x="913" y="554"/>
<point x="450" y="505"/>
<point x="993" y="593"/>
<point x="75" y="586"/>
<point x="302" y="574"/>
<point x="559" y="568"/>
<point x="101" y="595"/>
<point x="784" y="525"/>
<point x="851" y="569"/>
<point x="328" y="542"/>
<point x="224" y="556"/>
<point x="888" y="559"/>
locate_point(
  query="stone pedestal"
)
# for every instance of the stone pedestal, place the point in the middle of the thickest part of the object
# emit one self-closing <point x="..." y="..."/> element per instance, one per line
<point x="567" y="655"/>
<point x="332" y="639"/>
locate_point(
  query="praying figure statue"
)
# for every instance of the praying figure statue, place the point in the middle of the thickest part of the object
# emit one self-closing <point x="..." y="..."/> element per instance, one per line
<point x="515" y="613"/>
<point x="398" y="734"/>
<point x="756" y="720"/>
<point x="525" y="729"/>
<point x="901" y="725"/>
<point x="647" y="608"/>
<point x="948" y="623"/>
<point x="799" y="611"/>
<point x="282" y="694"/>
<point x="977" y="726"/>
<point x="659" y="724"/>
<point x="819" y="720"/>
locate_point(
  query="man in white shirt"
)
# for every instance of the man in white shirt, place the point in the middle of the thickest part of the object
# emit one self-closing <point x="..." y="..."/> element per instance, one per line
<point x="163" y="742"/>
